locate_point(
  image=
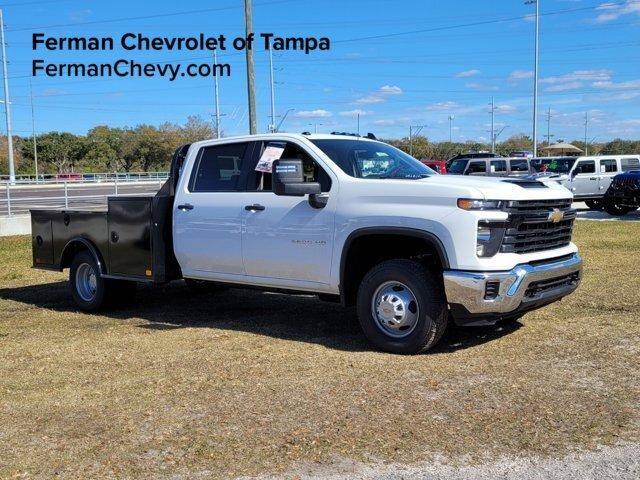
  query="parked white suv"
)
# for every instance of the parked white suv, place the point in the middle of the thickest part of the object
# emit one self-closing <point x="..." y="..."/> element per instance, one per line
<point x="588" y="178"/>
<point x="349" y="219"/>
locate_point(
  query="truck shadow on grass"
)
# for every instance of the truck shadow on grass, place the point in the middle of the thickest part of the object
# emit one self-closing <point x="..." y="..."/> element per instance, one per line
<point x="301" y="318"/>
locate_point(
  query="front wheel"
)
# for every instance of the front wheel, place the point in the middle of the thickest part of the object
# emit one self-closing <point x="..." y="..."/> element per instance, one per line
<point x="594" y="204"/>
<point x="401" y="307"/>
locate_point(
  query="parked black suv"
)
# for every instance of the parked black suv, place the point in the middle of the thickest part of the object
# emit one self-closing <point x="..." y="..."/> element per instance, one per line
<point x="623" y="195"/>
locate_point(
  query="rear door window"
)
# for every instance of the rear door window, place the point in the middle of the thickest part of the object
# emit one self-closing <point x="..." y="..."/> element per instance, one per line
<point x="218" y="168"/>
<point x="608" y="165"/>
<point x="519" y="165"/>
<point x="498" y="166"/>
<point x="477" y="168"/>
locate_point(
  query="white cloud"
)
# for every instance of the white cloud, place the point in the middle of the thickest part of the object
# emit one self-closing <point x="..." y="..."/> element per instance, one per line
<point x="468" y="73"/>
<point x="575" y="79"/>
<point x="563" y="87"/>
<point x="612" y="11"/>
<point x="390" y="90"/>
<point x="379" y="95"/>
<point x="504" y="108"/>
<point x="354" y="113"/>
<point x="483" y="87"/>
<point x="319" y="113"/>
<point x="385" y="123"/>
<point x="520" y="75"/>
<point x="369" y="99"/>
<point x="609" y="85"/>
<point x="441" y="106"/>
<point x="615" y="97"/>
<point x="529" y="17"/>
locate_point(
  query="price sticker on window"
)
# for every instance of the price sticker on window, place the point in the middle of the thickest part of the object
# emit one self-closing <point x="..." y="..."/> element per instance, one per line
<point x="271" y="153"/>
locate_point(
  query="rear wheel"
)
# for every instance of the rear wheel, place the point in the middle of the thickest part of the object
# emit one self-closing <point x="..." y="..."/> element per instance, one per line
<point x="615" y="209"/>
<point x="401" y="307"/>
<point x="88" y="288"/>
<point x="91" y="291"/>
<point x="594" y="204"/>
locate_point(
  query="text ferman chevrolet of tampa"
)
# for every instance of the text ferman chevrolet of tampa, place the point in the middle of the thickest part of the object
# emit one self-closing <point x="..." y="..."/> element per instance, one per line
<point x="350" y="219"/>
<point x="130" y="42"/>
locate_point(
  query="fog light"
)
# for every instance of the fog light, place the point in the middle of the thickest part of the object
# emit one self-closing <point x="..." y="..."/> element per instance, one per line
<point x="489" y="237"/>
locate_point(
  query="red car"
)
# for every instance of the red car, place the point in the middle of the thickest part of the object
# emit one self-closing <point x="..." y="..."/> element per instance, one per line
<point x="439" y="166"/>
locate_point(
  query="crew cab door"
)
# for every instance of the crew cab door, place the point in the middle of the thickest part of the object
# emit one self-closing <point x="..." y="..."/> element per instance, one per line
<point x="585" y="179"/>
<point x="208" y="213"/>
<point x="285" y="239"/>
<point x="608" y="170"/>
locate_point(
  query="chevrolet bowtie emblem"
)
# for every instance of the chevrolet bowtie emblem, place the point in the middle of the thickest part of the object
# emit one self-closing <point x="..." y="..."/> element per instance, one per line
<point x="556" y="215"/>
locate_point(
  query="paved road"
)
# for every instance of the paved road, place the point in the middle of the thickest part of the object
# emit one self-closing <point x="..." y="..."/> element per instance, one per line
<point x="80" y="196"/>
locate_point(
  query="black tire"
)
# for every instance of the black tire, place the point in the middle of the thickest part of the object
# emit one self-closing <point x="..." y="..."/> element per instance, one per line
<point x="431" y="310"/>
<point x="88" y="299"/>
<point x="616" y="210"/>
<point x="594" y="204"/>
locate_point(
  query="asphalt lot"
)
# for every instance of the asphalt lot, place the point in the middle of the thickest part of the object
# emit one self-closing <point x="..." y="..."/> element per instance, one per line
<point x="26" y="197"/>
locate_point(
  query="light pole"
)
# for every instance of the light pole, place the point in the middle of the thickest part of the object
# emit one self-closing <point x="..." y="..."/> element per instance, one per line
<point x="586" y="126"/>
<point x="493" y="135"/>
<point x="283" y="117"/>
<point x="7" y="105"/>
<point x="315" y="126"/>
<point x="451" y="117"/>
<point x="217" y="95"/>
<point x="535" y="77"/>
<point x="272" y="126"/>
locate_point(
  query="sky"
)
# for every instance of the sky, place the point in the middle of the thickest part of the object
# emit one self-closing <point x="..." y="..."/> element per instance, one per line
<point x="395" y="64"/>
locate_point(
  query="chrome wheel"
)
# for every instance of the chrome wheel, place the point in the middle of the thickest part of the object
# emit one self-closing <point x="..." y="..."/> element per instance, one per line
<point x="395" y="309"/>
<point x="86" y="282"/>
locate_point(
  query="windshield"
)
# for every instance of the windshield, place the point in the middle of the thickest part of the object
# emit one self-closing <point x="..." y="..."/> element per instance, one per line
<point x="553" y="165"/>
<point x="367" y="159"/>
<point x="457" y="166"/>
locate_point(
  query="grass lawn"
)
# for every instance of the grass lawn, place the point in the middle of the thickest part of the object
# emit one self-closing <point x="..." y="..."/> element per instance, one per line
<point x="247" y="382"/>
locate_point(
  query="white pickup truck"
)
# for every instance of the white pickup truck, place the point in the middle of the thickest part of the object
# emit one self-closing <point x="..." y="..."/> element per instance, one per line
<point x="347" y="218"/>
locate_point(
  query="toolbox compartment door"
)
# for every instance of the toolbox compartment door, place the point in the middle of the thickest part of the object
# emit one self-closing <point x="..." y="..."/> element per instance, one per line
<point x="42" y="240"/>
<point x="130" y="225"/>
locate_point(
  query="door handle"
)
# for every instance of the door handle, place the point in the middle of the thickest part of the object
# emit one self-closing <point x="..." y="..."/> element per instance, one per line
<point x="593" y="178"/>
<point x="255" y="207"/>
<point x="186" y="206"/>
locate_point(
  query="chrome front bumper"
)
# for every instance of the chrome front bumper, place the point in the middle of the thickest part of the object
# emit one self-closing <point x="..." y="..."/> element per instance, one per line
<point x="524" y="285"/>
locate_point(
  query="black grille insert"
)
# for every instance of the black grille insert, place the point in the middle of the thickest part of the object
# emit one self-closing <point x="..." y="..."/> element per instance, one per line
<point x="536" y="225"/>
<point x="536" y="288"/>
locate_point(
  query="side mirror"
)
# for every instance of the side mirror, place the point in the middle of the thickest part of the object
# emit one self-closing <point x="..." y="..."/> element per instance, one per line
<point x="576" y="171"/>
<point x="288" y="179"/>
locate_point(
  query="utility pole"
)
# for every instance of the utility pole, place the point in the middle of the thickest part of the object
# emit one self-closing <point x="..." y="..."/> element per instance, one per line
<point x="272" y="125"/>
<point x="251" y="88"/>
<point x="451" y="117"/>
<point x="493" y="132"/>
<point x="535" y="77"/>
<point x="549" y="127"/>
<point x="7" y="105"/>
<point x="358" y="125"/>
<point x="586" y="127"/>
<point x="33" y="129"/>
<point x="217" y="95"/>
<point x="418" y="129"/>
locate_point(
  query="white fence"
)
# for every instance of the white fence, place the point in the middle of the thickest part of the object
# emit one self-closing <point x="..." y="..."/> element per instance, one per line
<point x="86" y="193"/>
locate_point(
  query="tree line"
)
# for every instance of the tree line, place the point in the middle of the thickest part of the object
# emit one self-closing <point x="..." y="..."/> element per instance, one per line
<point x="105" y="149"/>
<point x="149" y="148"/>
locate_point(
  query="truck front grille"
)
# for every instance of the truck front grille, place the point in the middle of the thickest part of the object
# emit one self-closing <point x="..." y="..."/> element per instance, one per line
<point x="531" y="226"/>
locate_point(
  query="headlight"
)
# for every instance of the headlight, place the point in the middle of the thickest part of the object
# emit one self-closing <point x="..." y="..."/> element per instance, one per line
<point x="469" y="204"/>
<point x="489" y="238"/>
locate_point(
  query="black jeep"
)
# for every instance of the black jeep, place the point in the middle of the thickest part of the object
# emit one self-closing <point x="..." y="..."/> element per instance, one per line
<point x="623" y="195"/>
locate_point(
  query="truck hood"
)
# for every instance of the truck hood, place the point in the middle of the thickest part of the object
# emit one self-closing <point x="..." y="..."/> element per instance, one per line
<point x="502" y="188"/>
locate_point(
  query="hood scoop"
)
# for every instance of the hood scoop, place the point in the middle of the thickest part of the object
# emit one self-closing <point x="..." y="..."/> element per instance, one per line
<point x="525" y="183"/>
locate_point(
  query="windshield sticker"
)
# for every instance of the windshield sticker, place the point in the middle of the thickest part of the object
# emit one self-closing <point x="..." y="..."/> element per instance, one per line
<point x="271" y="153"/>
